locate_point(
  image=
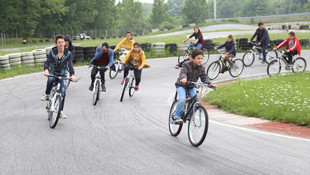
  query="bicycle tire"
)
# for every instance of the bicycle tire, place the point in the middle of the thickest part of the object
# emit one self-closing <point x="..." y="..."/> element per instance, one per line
<point x="206" y="56"/>
<point x="113" y="74"/>
<point x="247" y="60"/>
<point x="298" y="67"/>
<point x="274" y="68"/>
<point x="239" y="66"/>
<point x="124" y="88"/>
<point x="54" y="117"/>
<point x="202" y="121"/>
<point x="183" y="56"/>
<point x="96" y="92"/>
<point x="271" y="55"/>
<point x="213" y="70"/>
<point x="173" y="128"/>
<point x="132" y="87"/>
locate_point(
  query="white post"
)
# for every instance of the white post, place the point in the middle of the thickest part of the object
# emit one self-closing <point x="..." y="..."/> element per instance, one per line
<point x="214" y="9"/>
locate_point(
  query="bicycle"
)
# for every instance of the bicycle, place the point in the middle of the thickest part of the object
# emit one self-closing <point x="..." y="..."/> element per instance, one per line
<point x="195" y="113"/>
<point x="249" y="57"/>
<point x="118" y="65"/>
<point x="55" y="101"/>
<point x="184" y="54"/>
<point x="274" y="67"/>
<point x="97" y="84"/>
<point x="129" y="82"/>
<point x="214" y="68"/>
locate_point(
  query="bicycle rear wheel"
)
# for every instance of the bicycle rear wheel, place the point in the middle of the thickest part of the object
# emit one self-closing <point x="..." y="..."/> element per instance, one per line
<point x="237" y="70"/>
<point x="206" y="56"/>
<point x="132" y="87"/>
<point x="214" y="70"/>
<point x="183" y="56"/>
<point x="96" y="92"/>
<point x="174" y="129"/>
<point x="299" y="65"/>
<point x="124" y="88"/>
<point x="274" y="68"/>
<point x="55" y="112"/>
<point x="198" y="126"/>
<point x="248" y="58"/>
<point x="113" y="74"/>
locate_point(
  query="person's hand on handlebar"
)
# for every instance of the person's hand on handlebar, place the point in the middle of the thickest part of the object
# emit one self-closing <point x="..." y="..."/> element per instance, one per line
<point x="46" y="73"/>
<point x="213" y="86"/>
<point x="287" y="50"/>
<point x="114" y="50"/>
<point x="72" y="77"/>
<point x="249" y="41"/>
<point x="215" y="48"/>
<point x="259" y="43"/>
<point x="107" y="67"/>
<point x="122" y="63"/>
<point x="140" y="67"/>
<point x="274" y="48"/>
<point x="184" y="81"/>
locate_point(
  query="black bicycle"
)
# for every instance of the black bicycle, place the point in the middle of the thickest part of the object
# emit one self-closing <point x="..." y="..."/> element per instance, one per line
<point x="195" y="113"/>
<point x="129" y="81"/>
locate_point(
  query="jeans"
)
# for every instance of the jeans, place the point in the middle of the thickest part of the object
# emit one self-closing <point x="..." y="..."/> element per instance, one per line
<point x="264" y="48"/>
<point x="197" y="45"/>
<point x="136" y="72"/>
<point x="182" y="100"/>
<point x="49" y="86"/>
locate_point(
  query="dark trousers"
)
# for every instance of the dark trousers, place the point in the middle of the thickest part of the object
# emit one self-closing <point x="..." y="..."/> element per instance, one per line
<point x="290" y="55"/>
<point x="264" y="48"/>
<point x="94" y="71"/>
<point x="136" y="72"/>
<point x="49" y="86"/>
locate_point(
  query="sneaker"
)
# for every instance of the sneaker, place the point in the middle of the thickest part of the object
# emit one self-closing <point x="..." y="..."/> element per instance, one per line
<point x="263" y="62"/>
<point x="91" y="87"/>
<point x="122" y="81"/>
<point x="62" y="115"/>
<point x="177" y="67"/>
<point x="137" y="87"/>
<point x="45" y="97"/>
<point x="178" y="121"/>
<point x="104" y="89"/>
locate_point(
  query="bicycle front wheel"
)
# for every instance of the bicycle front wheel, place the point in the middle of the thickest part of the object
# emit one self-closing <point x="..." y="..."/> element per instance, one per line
<point x="55" y="112"/>
<point x="206" y="56"/>
<point x="174" y="129"/>
<point x="198" y="126"/>
<point x="96" y="92"/>
<point x="113" y="74"/>
<point x="214" y="70"/>
<point x="183" y="56"/>
<point x="237" y="70"/>
<point x="132" y="87"/>
<point x="124" y="88"/>
<point x="299" y="65"/>
<point x="274" y="68"/>
<point x="271" y="55"/>
<point x="248" y="58"/>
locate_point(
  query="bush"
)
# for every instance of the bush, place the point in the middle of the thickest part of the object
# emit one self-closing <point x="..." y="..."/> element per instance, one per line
<point x="166" y="25"/>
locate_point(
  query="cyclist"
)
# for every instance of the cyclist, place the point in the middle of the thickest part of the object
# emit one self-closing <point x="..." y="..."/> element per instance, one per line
<point x="103" y="57"/>
<point x="262" y="39"/>
<point x="126" y="42"/>
<point x="57" y="63"/>
<point x="292" y="46"/>
<point x="199" y="39"/>
<point x="180" y="64"/>
<point x="135" y="57"/>
<point x="70" y="46"/>
<point x="191" y="71"/>
<point x="230" y="47"/>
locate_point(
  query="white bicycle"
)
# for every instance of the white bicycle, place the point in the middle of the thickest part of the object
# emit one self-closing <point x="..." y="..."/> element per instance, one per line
<point x="118" y="65"/>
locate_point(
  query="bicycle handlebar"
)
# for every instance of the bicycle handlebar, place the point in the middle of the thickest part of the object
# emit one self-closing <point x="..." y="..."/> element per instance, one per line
<point x="60" y="78"/>
<point x="130" y="67"/>
<point x="199" y="84"/>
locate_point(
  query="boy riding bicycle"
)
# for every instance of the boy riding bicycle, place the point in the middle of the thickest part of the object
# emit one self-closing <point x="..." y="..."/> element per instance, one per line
<point x="230" y="47"/>
<point x="126" y="42"/>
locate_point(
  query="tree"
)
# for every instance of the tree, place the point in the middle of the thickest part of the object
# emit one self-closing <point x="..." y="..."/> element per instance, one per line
<point x="174" y="7"/>
<point x="194" y="11"/>
<point x="159" y="13"/>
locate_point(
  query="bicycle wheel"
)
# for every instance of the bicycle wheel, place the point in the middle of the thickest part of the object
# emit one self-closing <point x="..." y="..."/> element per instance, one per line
<point x="55" y="112"/>
<point x="183" y="56"/>
<point x="271" y="55"/>
<point x="206" y="56"/>
<point x="198" y="126"/>
<point x="274" y="68"/>
<point x="124" y="88"/>
<point x="174" y="128"/>
<point x="96" y="92"/>
<point x="214" y="70"/>
<point x="132" y="87"/>
<point x="299" y="65"/>
<point x="237" y="70"/>
<point x="248" y="58"/>
<point x="113" y="74"/>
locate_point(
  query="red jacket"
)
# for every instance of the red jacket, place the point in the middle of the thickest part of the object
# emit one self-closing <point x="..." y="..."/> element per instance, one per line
<point x="296" y="45"/>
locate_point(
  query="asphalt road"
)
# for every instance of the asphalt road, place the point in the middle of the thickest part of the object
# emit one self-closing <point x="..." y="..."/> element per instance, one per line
<point x="131" y="137"/>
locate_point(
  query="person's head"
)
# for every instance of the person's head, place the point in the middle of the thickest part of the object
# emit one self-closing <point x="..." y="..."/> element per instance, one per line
<point x="190" y="55"/>
<point x="68" y="41"/>
<point x="260" y="25"/>
<point x="197" y="30"/>
<point x="291" y="35"/>
<point x="105" y="47"/>
<point x="128" y="35"/>
<point x="136" y="47"/>
<point x="197" y="57"/>
<point x="230" y="38"/>
<point x="60" y="42"/>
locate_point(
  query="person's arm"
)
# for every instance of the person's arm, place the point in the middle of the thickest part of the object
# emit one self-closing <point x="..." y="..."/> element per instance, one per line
<point x="233" y="48"/>
<point x="188" y="37"/>
<point x="143" y="61"/>
<point x="198" y="38"/>
<point x="111" y="56"/>
<point x="221" y="46"/>
<point x="98" y="54"/>
<point x="183" y="74"/>
<point x="253" y="36"/>
<point x="70" y="65"/>
<point x="282" y="44"/>
<point x="204" y="76"/>
<point x="120" y="45"/>
<point x="126" y="57"/>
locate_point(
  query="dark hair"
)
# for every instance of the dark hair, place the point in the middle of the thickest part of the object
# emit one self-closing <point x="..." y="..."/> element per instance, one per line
<point x="230" y="36"/>
<point x="105" y="45"/>
<point x="129" y="33"/>
<point x="59" y="36"/>
<point x="190" y="53"/>
<point x="260" y="23"/>
<point x="196" y="52"/>
<point x="292" y="33"/>
<point x="199" y="32"/>
<point x="136" y="44"/>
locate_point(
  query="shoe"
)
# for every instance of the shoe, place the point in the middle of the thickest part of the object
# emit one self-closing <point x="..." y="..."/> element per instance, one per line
<point x="122" y="81"/>
<point x="91" y="87"/>
<point x="263" y="62"/>
<point x="62" y="115"/>
<point x="222" y="71"/>
<point x="45" y="97"/>
<point x="137" y="87"/>
<point x="178" y="121"/>
<point x="104" y="89"/>
<point x="177" y="67"/>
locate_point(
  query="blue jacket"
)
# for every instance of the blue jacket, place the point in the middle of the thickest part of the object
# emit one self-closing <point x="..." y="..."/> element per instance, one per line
<point x="59" y="68"/>
<point x="99" y="53"/>
<point x="229" y="46"/>
<point x="264" y="40"/>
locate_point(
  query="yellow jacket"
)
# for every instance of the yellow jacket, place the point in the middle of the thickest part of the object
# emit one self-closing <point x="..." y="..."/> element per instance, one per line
<point x="136" y="59"/>
<point x="128" y="44"/>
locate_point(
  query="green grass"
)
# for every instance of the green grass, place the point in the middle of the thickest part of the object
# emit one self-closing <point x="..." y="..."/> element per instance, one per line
<point x="284" y="98"/>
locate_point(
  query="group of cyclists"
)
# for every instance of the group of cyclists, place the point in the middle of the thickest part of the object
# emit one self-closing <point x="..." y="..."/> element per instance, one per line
<point x="59" y="61"/>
